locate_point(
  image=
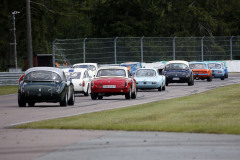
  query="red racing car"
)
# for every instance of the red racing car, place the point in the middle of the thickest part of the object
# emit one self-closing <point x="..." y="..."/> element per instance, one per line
<point x="113" y="80"/>
<point x="201" y="71"/>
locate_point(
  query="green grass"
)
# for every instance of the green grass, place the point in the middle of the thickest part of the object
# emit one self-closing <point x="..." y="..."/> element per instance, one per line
<point x="5" y="90"/>
<point x="215" y="111"/>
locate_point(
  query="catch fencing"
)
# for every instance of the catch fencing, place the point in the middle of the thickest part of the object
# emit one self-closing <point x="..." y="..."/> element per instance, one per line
<point x="145" y="49"/>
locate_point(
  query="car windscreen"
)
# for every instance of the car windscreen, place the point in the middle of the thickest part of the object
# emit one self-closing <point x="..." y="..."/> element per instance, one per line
<point x="198" y="66"/>
<point x="111" y="72"/>
<point x="42" y="76"/>
<point x="145" y="73"/>
<point x="73" y="75"/>
<point x="214" y="66"/>
<point x="176" y="66"/>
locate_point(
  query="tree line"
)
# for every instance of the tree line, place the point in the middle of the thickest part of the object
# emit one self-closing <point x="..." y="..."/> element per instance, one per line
<point x="70" y="19"/>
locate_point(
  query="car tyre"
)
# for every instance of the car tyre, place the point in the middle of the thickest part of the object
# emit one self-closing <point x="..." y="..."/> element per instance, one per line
<point x="31" y="104"/>
<point x="100" y="97"/>
<point x="128" y="95"/>
<point x="21" y="103"/>
<point x="191" y="81"/>
<point x="209" y="79"/>
<point x="64" y="101"/>
<point x="160" y="88"/>
<point x="134" y="94"/>
<point x="86" y="93"/>
<point x="72" y="98"/>
<point x="164" y="88"/>
<point x="94" y="96"/>
<point x="222" y="78"/>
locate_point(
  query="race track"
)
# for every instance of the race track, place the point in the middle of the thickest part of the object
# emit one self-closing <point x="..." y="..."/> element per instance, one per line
<point x="40" y="144"/>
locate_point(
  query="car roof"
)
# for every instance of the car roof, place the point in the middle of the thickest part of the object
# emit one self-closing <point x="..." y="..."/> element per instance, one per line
<point x="52" y="69"/>
<point x="197" y="62"/>
<point x="77" y="64"/>
<point x="178" y="61"/>
<point x="214" y="63"/>
<point x="148" y="68"/>
<point x="113" y="67"/>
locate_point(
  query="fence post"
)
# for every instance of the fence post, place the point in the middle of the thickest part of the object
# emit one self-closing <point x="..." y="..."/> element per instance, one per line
<point x="174" y="48"/>
<point x="53" y="54"/>
<point x="115" y="50"/>
<point x="84" y="50"/>
<point x="231" y="47"/>
<point x="202" y="47"/>
<point x="142" y="49"/>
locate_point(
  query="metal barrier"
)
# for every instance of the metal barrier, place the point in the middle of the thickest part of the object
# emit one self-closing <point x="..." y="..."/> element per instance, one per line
<point x="145" y="49"/>
<point x="10" y="78"/>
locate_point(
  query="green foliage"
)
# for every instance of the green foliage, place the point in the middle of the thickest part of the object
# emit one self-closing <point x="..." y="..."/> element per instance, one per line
<point x="68" y="19"/>
<point x="5" y="90"/>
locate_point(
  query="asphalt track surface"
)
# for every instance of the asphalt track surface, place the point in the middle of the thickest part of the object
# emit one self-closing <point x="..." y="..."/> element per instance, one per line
<point x="34" y="144"/>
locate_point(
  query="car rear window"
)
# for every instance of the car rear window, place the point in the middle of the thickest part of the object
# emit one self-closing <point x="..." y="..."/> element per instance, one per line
<point x="145" y="73"/>
<point x="176" y="66"/>
<point x="111" y="72"/>
<point x="73" y="75"/>
<point x="90" y="67"/>
<point x="198" y="66"/>
<point x="214" y="66"/>
<point x="42" y="76"/>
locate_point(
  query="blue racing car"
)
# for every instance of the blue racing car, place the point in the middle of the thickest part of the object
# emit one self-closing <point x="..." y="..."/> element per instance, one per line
<point x="149" y="78"/>
<point x="217" y="70"/>
<point x="178" y="72"/>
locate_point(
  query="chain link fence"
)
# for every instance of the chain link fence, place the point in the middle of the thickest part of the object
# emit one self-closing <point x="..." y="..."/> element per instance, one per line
<point x="145" y="49"/>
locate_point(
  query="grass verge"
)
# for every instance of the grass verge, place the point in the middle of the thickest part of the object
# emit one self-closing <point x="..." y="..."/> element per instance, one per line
<point x="5" y="90"/>
<point x="215" y="111"/>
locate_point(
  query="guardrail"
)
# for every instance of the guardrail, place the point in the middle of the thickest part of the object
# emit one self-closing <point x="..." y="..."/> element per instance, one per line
<point x="10" y="78"/>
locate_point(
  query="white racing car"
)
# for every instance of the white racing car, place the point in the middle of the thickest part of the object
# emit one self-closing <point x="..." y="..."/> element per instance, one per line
<point x="80" y="79"/>
<point x="92" y="68"/>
